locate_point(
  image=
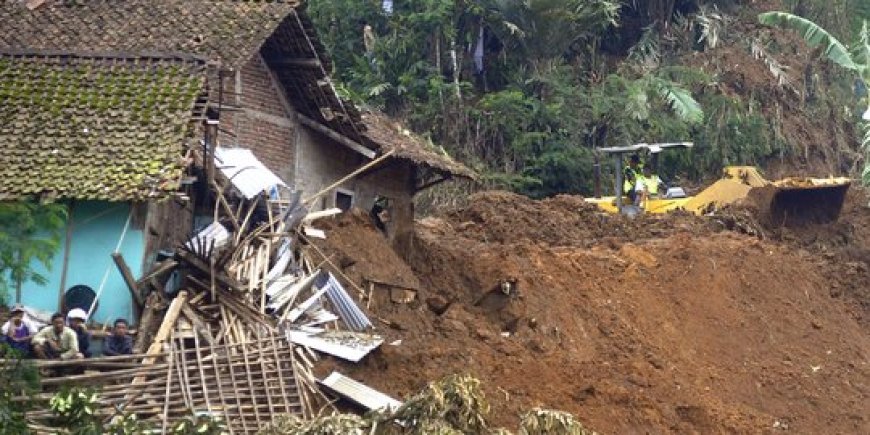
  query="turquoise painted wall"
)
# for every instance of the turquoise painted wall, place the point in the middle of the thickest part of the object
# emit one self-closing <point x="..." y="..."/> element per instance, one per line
<point x="97" y="228"/>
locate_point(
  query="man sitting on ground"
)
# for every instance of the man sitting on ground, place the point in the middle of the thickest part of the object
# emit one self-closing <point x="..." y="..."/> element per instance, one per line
<point x="76" y="319"/>
<point x="18" y="334"/>
<point x="119" y="343"/>
<point x="56" y="341"/>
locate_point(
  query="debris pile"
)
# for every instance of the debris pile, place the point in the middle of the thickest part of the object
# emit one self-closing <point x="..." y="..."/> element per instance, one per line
<point x="231" y="320"/>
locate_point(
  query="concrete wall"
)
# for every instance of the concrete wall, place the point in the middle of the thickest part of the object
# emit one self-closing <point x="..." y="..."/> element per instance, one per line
<point x="322" y="161"/>
<point x="96" y="230"/>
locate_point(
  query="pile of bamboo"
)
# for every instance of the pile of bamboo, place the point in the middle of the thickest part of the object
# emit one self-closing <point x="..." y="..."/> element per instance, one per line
<point x="219" y="340"/>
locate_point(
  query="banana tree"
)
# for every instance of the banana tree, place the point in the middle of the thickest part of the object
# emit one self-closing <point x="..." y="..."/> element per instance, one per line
<point x="855" y="58"/>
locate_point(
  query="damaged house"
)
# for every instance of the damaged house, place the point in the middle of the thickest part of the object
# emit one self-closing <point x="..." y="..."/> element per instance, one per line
<point x="110" y="107"/>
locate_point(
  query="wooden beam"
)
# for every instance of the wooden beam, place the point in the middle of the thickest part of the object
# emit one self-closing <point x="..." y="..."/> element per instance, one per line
<point x="157" y="270"/>
<point x="431" y="183"/>
<point x="205" y="268"/>
<point x="308" y="62"/>
<point x="128" y="279"/>
<point x="165" y="328"/>
<point x="340" y="138"/>
<point x="152" y="303"/>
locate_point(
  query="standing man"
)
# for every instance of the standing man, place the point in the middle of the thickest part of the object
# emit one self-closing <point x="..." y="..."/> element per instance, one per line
<point x="119" y="343"/>
<point x="76" y="319"/>
<point x="56" y="341"/>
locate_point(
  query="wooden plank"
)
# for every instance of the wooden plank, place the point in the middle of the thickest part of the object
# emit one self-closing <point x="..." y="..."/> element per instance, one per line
<point x="166" y="328"/>
<point x="203" y="267"/>
<point x="278" y="369"/>
<point x="165" y="415"/>
<point x="202" y="372"/>
<point x="128" y="279"/>
<point x="236" y="388"/>
<point x="244" y="348"/>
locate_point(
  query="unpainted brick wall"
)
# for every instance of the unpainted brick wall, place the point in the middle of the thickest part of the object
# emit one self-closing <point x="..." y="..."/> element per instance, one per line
<point x="306" y="159"/>
<point x="265" y="124"/>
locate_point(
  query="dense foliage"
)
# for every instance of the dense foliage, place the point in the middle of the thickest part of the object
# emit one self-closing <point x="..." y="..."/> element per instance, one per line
<point x="28" y="231"/>
<point x="525" y="90"/>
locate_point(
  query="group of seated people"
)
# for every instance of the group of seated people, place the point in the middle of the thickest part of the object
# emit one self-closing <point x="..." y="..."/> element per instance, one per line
<point x="640" y="182"/>
<point x="61" y="339"/>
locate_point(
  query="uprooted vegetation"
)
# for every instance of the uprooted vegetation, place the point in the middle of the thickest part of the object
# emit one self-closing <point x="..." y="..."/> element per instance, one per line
<point x="453" y="405"/>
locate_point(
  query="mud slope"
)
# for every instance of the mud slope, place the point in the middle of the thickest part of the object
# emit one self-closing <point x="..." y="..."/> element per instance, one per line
<point x="684" y="328"/>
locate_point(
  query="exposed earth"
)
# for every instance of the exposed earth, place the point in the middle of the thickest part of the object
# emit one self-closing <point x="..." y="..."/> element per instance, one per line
<point x="660" y="324"/>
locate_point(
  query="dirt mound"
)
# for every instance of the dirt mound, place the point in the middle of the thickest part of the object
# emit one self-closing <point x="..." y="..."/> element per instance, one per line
<point x="842" y="249"/>
<point x="564" y="220"/>
<point x="355" y="245"/>
<point x="690" y="329"/>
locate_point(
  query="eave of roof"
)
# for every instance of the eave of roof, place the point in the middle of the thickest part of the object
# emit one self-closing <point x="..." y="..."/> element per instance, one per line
<point x="390" y="135"/>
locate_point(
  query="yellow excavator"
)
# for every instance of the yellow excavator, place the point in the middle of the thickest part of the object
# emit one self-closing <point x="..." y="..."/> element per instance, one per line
<point x="790" y="198"/>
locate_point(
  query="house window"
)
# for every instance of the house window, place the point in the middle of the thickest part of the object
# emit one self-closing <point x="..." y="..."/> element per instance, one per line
<point x="343" y="199"/>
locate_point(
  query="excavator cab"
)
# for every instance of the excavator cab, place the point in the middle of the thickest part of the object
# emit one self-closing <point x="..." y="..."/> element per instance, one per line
<point x="673" y="198"/>
<point x="785" y="202"/>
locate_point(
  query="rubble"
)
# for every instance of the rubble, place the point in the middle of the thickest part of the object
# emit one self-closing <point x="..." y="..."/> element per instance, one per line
<point x="237" y="338"/>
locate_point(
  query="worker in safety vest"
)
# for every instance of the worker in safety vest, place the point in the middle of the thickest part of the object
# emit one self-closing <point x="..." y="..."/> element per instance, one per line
<point x="630" y="175"/>
<point x="647" y="186"/>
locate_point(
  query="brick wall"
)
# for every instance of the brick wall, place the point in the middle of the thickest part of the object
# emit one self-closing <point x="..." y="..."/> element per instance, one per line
<point x="265" y="123"/>
<point x="304" y="158"/>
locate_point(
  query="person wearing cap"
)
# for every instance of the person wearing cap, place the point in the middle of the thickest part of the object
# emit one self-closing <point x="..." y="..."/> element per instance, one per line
<point x="56" y="341"/>
<point x="76" y="319"/>
<point x="18" y="334"/>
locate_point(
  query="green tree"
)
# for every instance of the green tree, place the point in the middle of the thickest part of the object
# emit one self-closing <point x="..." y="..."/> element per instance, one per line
<point x="855" y="58"/>
<point x="28" y="231"/>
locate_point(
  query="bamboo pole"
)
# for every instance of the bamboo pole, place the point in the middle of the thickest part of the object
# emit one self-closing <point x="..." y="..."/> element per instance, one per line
<point x="363" y="168"/>
<point x="250" y="379"/>
<point x="223" y="399"/>
<point x="165" y="416"/>
<point x="201" y="372"/>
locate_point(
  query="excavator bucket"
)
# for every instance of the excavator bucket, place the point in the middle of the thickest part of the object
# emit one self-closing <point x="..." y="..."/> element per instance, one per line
<point x="797" y="201"/>
<point x="790" y="201"/>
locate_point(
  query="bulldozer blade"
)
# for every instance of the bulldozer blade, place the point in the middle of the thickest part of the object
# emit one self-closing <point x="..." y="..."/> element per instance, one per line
<point x="795" y="205"/>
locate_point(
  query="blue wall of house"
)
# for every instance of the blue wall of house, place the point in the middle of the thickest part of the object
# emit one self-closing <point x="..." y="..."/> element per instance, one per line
<point x="97" y="228"/>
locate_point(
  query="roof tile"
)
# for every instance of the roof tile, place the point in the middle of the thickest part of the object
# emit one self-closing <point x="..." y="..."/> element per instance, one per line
<point x="66" y="139"/>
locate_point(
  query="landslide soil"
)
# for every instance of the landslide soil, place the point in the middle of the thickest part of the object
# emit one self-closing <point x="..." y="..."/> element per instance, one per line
<point x="653" y="325"/>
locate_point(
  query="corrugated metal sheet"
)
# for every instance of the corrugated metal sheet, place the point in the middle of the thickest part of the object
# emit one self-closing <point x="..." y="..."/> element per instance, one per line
<point x="347" y="309"/>
<point x="247" y="174"/>
<point x="345" y="345"/>
<point x="359" y="393"/>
